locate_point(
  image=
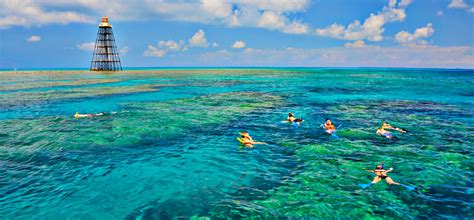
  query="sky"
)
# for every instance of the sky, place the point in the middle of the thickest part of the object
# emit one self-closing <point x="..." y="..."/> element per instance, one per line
<point x="241" y="33"/>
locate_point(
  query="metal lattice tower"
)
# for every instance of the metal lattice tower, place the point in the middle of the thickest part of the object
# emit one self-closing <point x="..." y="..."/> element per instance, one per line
<point x="106" y="56"/>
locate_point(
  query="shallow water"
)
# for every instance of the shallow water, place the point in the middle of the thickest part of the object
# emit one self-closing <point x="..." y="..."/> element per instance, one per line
<point x="169" y="149"/>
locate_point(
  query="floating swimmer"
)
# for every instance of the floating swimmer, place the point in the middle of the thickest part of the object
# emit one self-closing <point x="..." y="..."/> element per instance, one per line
<point x="246" y="140"/>
<point x="386" y="125"/>
<point x="329" y="127"/>
<point x="77" y="115"/>
<point x="383" y="130"/>
<point x="381" y="174"/>
<point x="291" y="118"/>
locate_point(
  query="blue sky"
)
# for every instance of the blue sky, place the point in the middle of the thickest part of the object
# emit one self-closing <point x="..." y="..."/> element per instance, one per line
<point x="161" y="33"/>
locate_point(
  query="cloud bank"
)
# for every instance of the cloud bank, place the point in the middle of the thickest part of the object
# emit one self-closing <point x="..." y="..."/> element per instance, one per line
<point x="358" y="56"/>
<point x="373" y="26"/>
<point x="269" y="14"/>
<point x="460" y="4"/>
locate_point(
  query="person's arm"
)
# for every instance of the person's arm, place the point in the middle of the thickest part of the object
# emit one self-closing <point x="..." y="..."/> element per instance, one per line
<point x="389" y="170"/>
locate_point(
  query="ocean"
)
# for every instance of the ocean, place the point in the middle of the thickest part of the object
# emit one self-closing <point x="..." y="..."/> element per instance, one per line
<point x="165" y="146"/>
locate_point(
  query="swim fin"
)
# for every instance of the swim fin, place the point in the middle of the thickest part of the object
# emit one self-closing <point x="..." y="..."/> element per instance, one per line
<point x="365" y="185"/>
<point x="408" y="187"/>
<point x="295" y="125"/>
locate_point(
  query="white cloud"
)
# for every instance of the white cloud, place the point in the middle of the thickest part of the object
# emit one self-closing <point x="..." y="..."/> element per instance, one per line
<point x="296" y="28"/>
<point x="89" y="46"/>
<point x="124" y="50"/>
<point x="154" y="52"/>
<point x="404" y="3"/>
<point x="238" y="44"/>
<point x="172" y="45"/>
<point x="407" y="39"/>
<point x="33" y="38"/>
<point x="274" y="21"/>
<point x="436" y="57"/>
<point x="458" y="4"/>
<point x="215" y="44"/>
<point x="357" y="44"/>
<point x="439" y="13"/>
<point x="32" y="13"/>
<point x="392" y="3"/>
<point x="271" y="20"/>
<point x="218" y="8"/>
<point x="164" y="47"/>
<point x="372" y="28"/>
<point x="198" y="39"/>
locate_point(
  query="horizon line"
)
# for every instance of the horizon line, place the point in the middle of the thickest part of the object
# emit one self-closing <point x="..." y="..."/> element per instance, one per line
<point x="227" y="67"/>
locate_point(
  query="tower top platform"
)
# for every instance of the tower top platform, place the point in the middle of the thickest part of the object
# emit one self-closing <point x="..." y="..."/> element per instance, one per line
<point x="105" y="22"/>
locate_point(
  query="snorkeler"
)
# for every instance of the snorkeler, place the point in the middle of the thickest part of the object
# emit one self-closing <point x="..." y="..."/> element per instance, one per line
<point x="383" y="130"/>
<point x="329" y="126"/>
<point x="291" y="118"/>
<point x="381" y="174"/>
<point x="77" y="115"/>
<point x="386" y="125"/>
<point x="248" y="141"/>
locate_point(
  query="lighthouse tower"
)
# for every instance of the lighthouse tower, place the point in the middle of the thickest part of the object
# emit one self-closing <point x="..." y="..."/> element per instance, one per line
<point x="106" y="56"/>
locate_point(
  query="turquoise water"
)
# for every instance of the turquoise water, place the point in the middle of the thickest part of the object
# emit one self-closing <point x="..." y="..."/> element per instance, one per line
<point x="170" y="150"/>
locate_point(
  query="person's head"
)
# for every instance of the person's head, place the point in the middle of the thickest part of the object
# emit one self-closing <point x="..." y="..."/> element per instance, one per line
<point x="290" y="114"/>
<point x="328" y="121"/>
<point x="379" y="167"/>
<point x="244" y="133"/>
